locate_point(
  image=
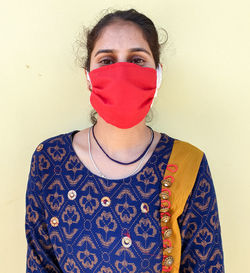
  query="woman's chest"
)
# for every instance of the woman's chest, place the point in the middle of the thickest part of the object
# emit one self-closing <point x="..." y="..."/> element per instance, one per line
<point x="100" y="226"/>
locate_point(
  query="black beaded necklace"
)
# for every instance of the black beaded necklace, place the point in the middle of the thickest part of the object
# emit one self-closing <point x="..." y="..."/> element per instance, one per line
<point x="152" y="138"/>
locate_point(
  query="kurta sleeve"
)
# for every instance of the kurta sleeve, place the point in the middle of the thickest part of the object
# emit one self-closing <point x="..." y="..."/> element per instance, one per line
<point x="199" y="224"/>
<point x="40" y="257"/>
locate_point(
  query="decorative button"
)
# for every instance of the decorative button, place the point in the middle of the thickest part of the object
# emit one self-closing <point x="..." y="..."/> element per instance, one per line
<point x="169" y="261"/>
<point x="54" y="221"/>
<point x="164" y="209"/>
<point x="167" y="182"/>
<point x="126" y="241"/>
<point x="105" y="201"/>
<point x="39" y="147"/>
<point x="165" y="218"/>
<point x="71" y="194"/>
<point x="167" y="233"/>
<point x="164" y="195"/>
<point x="167" y="250"/>
<point x="144" y="207"/>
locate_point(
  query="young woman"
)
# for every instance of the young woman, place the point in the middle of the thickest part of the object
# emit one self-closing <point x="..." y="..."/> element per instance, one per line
<point x="119" y="196"/>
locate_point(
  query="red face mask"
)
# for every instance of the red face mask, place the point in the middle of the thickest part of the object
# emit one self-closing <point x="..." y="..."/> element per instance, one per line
<point x="122" y="93"/>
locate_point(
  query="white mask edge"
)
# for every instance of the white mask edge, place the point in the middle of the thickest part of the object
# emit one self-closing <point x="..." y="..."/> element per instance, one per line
<point x="158" y="81"/>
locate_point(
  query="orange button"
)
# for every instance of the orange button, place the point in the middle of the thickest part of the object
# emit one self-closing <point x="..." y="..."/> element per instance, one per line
<point x="167" y="250"/>
<point x="165" y="218"/>
<point x="168" y="261"/>
<point x="54" y="221"/>
<point x="144" y="208"/>
<point x="71" y="194"/>
<point x="105" y="201"/>
<point x="164" y="195"/>
<point x="167" y="233"/>
<point x="126" y="241"/>
<point x="39" y="147"/>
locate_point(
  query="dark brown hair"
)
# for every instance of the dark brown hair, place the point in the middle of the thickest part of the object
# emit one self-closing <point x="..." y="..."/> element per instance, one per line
<point x="145" y="24"/>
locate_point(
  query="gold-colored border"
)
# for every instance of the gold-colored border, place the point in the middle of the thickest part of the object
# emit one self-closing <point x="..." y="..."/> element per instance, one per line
<point x="187" y="158"/>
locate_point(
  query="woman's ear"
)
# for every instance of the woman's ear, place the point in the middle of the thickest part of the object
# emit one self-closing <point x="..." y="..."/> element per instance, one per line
<point x="88" y="80"/>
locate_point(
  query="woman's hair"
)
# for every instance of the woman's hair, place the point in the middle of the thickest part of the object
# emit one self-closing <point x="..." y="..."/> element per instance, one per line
<point x="145" y="24"/>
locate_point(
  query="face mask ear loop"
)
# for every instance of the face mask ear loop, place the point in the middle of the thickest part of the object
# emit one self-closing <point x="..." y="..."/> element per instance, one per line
<point x="88" y="77"/>
<point x="159" y="78"/>
<point x="158" y="81"/>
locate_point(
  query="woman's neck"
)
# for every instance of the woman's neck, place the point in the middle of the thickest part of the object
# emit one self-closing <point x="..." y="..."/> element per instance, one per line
<point x="117" y="142"/>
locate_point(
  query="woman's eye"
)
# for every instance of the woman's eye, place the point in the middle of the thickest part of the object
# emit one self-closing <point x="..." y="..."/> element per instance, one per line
<point x="137" y="61"/>
<point x="106" y="61"/>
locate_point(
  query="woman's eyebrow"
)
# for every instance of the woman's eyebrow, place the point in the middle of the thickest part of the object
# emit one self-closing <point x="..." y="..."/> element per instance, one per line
<point x="104" y="51"/>
<point x="136" y="49"/>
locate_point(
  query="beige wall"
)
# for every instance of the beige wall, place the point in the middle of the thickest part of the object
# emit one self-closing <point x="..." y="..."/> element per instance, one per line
<point x="204" y="99"/>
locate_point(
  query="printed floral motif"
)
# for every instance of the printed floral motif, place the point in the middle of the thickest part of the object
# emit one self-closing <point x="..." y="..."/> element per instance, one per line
<point x="89" y="204"/>
<point x="70" y="215"/>
<point x="202" y="195"/>
<point x="204" y="238"/>
<point x="43" y="163"/>
<point x="55" y="151"/>
<point x="147" y="178"/>
<point x="71" y="267"/>
<point x="87" y="201"/>
<point x="54" y="199"/>
<point x="106" y="222"/>
<point x="146" y="230"/>
<point x="125" y="267"/>
<point x="85" y="256"/>
<point x="31" y="213"/>
<point x="124" y="209"/>
<point x="73" y="164"/>
<point x="74" y="167"/>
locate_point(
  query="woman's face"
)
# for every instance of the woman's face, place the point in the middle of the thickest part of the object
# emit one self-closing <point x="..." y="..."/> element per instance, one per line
<point x="121" y="42"/>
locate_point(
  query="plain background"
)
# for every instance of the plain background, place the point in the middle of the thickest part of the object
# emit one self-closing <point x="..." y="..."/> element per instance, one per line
<point x="204" y="99"/>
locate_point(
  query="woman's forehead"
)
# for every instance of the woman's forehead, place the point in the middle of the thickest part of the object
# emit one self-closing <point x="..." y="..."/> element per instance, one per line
<point x="121" y="35"/>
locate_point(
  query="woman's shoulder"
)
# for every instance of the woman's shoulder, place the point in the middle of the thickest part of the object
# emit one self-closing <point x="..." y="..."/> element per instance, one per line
<point x="53" y="149"/>
<point x="57" y="141"/>
<point x="184" y="146"/>
<point x="52" y="156"/>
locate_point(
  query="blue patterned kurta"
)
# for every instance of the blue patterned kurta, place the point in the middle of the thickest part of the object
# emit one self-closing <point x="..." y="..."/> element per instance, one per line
<point x="87" y="236"/>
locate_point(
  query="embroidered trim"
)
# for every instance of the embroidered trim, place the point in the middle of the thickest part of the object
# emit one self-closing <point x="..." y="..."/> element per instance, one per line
<point x="165" y="215"/>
